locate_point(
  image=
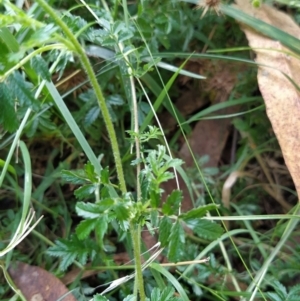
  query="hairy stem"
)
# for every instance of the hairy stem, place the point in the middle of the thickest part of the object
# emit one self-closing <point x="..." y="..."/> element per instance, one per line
<point x="98" y="92"/>
<point x="135" y="231"/>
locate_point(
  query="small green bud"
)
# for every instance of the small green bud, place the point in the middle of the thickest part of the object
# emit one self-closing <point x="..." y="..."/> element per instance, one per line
<point x="256" y="3"/>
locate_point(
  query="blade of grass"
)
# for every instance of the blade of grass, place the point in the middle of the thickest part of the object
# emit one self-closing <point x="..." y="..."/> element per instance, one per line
<point x="27" y="181"/>
<point x="161" y="99"/>
<point x="171" y="279"/>
<point x="73" y="126"/>
<point x="211" y="246"/>
<point x="14" y="145"/>
<point x="266" y="29"/>
<point x="220" y="106"/>
<point x="234" y="115"/>
<point x="252" y="217"/>
<point x="255" y="284"/>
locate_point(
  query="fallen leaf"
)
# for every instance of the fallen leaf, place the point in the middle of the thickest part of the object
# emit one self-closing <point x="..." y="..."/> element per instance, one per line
<point x="280" y="95"/>
<point x="36" y="284"/>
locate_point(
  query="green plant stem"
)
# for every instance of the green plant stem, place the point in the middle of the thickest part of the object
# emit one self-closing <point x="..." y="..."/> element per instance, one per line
<point x="29" y="57"/>
<point x="115" y="10"/>
<point x="135" y="231"/>
<point x="137" y="141"/>
<point x="98" y="92"/>
<point x="124" y="3"/>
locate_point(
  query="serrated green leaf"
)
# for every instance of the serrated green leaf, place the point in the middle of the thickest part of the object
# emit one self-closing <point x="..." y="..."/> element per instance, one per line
<point x="124" y="36"/>
<point x="99" y="297"/>
<point x="206" y="229"/>
<point x="8" y="116"/>
<point x="67" y="260"/>
<point x="165" y="227"/>
<point x="122" y="211"/>
<point x="85" y="191"/>
<point x="21" y="91"/>
<point x="75" y="23"/>
<point x="72" y="249"/>
<point x="155" y="294"/>
<point x="91" y="210"/>
<point x="42" y="34"/>
<point x="131" y="298"/>
<point x="198" y="212"/>
<point x="154" y="199"/>
<point x="273" y="296"/>
<point x="165" y="176"/>
<point x="176" y="242"/>
<point x="88" y="210"/>
<point x="105" y="204"/>
<point x="74" y="177"/>
<point x="104" y="176"/>
<point x="115" y="99"/>
<point x="145" y="186"/>
<point x="117" y="27"/>
<point x="108" y="40"/>
<point x="40" y="67"/>
<point x="85" y="227"/>
<point x="172" y="204"/>
<point x="280" y="288"/>
<point x="105" y="192"/>
<point x="92" y="115"/>
<point x="294" y="290"/>
<point x="101" y="228"/>
<point x="167" y="293"/>
<point x="90" y="172"/>
<point x="154" y="218"/>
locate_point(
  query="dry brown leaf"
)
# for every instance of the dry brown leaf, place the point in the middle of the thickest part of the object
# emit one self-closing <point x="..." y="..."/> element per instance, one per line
<point x="281" y="98"/>
<point x="36" y="284"/>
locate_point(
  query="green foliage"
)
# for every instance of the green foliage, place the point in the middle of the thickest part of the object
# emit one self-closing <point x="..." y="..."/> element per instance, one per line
<point x="35" y="47"/>
<point x="73" y="249"/>
<point x="176" y="242"/>
<point x="8" y="117"/>
<point x="198" y="212"/>
<point x="281" y="293"/>
<point x="172" y="204"/>
<point x="92" y="112"/>
<point x="205" y="229"/>
<point x="39" y="65"/>
<point x="15" y="92"/>
<point x="165" y="227"/>
<point x="156" y="171"/>
<point x="152" y="133"/>
<point x="98" y="297"/>
<point x="123" y="209"/>
<point x="167" y="294"/>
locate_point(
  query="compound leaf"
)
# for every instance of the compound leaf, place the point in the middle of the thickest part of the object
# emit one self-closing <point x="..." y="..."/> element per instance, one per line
<point x="206" y="229"/>
<point x="198" y="212"/>
<point x="85" y="227"/>
<point x="85" y="191"/>
<point x="40" y="67"/>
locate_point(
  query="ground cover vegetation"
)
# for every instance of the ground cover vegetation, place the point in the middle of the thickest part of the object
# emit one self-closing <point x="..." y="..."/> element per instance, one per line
<point x="137" y="159"/>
